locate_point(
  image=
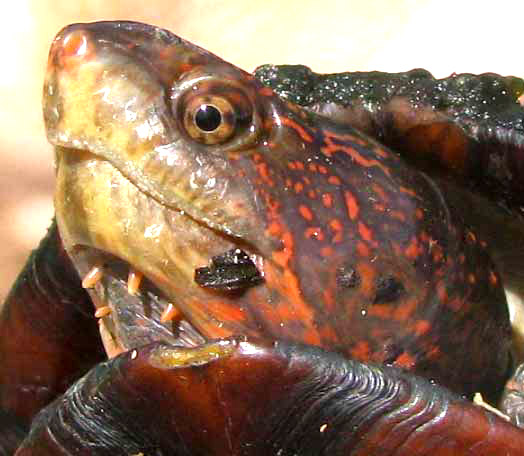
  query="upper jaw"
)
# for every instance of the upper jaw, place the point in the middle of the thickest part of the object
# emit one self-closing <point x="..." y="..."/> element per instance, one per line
<point x="108" y="94"/>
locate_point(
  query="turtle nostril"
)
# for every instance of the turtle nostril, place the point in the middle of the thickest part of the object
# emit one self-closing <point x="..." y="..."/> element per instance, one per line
<point x="75" y="44"/>
<point x="71" y="47"/>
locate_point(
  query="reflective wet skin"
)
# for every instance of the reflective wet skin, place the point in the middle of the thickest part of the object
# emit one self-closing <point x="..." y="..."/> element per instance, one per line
<point x="197" y="205"/>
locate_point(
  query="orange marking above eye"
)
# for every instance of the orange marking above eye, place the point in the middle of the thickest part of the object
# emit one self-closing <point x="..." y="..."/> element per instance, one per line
<point x="299" y="186"/>
<point x="345" y="147"/>
<point x="351" y="204"/>
<point x="297" y="128"/>
<point x="305" y="212"/>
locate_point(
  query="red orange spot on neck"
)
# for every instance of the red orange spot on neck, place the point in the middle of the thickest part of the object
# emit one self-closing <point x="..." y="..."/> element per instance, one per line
<point x="412" y="250"/>
<point x="283" y="256"/>
<point x="305" y="212"/>
<point x="365" y="232"/>
<point x="405" y="360"/>
<point x="362" y="249"/>
<point x="334" y="180"/>
<point x="336" y="226"/>
<point x="361" y="351"/>
<point x="327" y="199"/>
<point x="351" y="204"/>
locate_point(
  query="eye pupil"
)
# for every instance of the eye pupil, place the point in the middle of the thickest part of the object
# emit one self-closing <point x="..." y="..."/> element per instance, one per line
<point x="208" y="118"/>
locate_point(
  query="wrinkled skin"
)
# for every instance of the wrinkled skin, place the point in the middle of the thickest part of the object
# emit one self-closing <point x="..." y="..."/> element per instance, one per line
<point x="270" y="222"/>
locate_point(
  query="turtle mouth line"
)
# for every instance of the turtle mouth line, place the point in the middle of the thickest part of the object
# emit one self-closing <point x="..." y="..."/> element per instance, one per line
<point x="182" y="206"/>
<point x="134" y="311"/>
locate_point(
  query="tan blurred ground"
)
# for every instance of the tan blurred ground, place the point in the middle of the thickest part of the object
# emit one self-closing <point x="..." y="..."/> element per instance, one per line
<point x="332" y="35"/>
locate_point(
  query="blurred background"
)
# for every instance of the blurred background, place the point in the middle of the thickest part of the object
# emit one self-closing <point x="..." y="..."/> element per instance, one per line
<point x="332" y="35"/>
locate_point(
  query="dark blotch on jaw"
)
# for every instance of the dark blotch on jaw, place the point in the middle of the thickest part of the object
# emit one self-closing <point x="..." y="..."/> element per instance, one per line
<point x="388" y="289"/>
<point x="231" y="271"/>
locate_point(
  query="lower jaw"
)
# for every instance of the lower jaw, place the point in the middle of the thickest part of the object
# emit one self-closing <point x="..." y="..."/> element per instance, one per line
<point x="132" y="313"/>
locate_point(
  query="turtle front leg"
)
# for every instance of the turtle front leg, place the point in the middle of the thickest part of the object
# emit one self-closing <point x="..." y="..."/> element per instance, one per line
<point x="238" y="396"/>
<point x="48" y="338"/>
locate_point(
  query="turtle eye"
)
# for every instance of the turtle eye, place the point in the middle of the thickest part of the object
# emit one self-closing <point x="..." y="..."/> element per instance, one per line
<point x="210" y="119"/>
